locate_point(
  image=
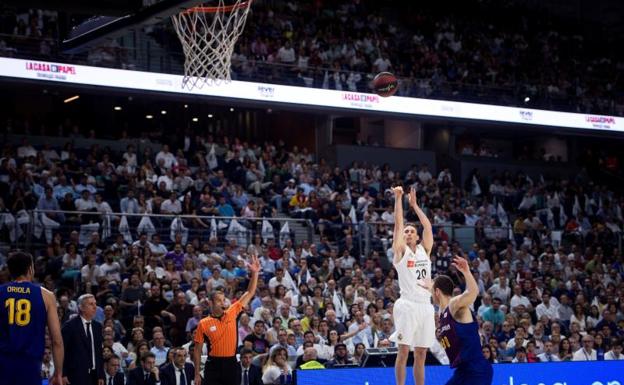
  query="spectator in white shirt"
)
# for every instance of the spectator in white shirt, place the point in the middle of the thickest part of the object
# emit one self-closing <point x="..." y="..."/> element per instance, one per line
<point x="153" y="266"/>
<point x="110" y="269"/>
<point x="26" y="150"/>
<point x="528" y="201"/>
<point x="382" y="64"/>
<point x="167" y="179"/>
<point x="444" y="174"/>
<point x="167" y="157"/>
<point x="84" y="203"/>
<point x="519" y="300"/>
<point x="171" y="205"/>
<point x="90" y="272"/>
<point x="157" y="247"/>
<point x="130" y="156"/>
<point x="47" y="366"/>
<point x="616" y="351"/>
<point x="587" y="352"/>
<point x="101" y="206"/>
<point x="280" y="278"/>
<point x="286" y="53"/>
<point x="546" y="308"/>
<point x="484" y="264"/>
<point x="49" y="153"/>
<point x="388" y="216"/>
<point x="424" y="175"/>
<point x="500" y="289"/>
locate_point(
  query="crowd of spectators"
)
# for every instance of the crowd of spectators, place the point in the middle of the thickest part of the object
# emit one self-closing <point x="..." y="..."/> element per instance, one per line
<point x="483" y="51"/>
<point x="546" y="252"/>
<point x="479" y="51"/>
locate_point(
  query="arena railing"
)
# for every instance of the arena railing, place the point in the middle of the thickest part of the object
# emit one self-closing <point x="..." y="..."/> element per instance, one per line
<point x="34" y="229"/>
<point x="378" y="235"/>
<point x="142" y="52"/>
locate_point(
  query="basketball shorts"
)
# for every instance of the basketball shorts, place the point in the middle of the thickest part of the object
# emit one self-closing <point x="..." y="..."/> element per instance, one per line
<point x="19" y="370"/>
<point x="414" y="323"/>
<point x="463" y="377"/>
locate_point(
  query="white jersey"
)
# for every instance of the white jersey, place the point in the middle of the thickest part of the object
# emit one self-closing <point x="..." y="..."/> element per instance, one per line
<point x="414" y="267"/>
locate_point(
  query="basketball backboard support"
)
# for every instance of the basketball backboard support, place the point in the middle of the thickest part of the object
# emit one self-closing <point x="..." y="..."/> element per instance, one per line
<point x="103" y="29"/>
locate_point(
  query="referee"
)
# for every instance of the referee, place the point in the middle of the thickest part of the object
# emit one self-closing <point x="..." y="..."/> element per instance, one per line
<point x="221" y="331"/>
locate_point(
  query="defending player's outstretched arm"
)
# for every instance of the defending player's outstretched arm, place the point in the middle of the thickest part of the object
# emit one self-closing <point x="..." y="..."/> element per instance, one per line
<point x="427" y="238"/>
<point x="463" y="301"/>
<point x="398" y="243"/>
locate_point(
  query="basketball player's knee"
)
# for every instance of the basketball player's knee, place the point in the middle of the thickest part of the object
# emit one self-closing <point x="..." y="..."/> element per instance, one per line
<point x="402" y="356"/>
<point x="420" y="355"/>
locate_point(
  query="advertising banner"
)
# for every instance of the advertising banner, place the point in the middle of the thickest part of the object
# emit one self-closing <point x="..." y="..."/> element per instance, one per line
<point x="313" y="97"/>
<point x="550" y="373"/>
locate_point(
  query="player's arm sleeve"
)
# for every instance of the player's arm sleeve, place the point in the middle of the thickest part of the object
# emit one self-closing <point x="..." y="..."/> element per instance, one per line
<point x="236" y="308"/>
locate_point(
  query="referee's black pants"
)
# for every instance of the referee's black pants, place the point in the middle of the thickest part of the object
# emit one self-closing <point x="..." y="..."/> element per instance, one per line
<point x="221" y="371"/>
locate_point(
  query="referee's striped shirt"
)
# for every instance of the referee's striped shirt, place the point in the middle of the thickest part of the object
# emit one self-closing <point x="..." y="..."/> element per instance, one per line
<point x="221" y="333"/>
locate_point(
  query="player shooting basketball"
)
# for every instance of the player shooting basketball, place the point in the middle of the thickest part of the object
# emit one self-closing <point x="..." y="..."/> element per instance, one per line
<point x="413" y="311"/>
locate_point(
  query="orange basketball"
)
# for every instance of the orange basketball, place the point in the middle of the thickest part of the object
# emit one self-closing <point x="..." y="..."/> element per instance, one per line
<point x="385" y="84"/>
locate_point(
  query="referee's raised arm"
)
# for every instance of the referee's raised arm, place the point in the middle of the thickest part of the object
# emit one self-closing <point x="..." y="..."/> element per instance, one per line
<point x="254" y="267"/>
<point x="221" y="331"/>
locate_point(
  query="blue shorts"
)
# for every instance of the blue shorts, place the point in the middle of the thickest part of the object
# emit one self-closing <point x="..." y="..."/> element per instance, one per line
<point x="17" y="370"/>
<point x="465" y="377"/>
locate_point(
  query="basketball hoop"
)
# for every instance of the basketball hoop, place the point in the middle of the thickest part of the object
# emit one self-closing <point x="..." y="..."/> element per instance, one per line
<point x="208" y="36"/>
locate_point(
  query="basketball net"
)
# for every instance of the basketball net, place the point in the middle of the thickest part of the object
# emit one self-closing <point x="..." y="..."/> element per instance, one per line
<point x="208" y="36"/>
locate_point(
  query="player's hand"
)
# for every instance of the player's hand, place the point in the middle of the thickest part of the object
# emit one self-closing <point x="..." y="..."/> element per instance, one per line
<point x="426" y="283"/>
<point x="101" y="381"/>
<point x="57" y="379"/>
<point x="412" y="198"/>
<point x="66" y="381"/>
<point x="398" y="191"/>
<point x="197" y="379"/>
<point x="254" y="266"/>
<point x="461" y="264"/>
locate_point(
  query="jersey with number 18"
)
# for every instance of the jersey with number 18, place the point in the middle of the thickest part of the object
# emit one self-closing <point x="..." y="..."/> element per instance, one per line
<point x="23" y="318"/>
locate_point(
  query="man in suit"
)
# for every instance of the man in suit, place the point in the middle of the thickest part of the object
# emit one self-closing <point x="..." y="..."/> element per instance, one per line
<point x="82" y="339"/>
<point x="147" y="373"/>
<point x="111" y="370"/>
<point x="179" y="372"/>
<point x="249" y="374"/>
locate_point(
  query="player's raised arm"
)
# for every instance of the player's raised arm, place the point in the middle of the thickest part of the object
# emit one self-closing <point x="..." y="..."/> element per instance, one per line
<point x="54" y="327"/>
<point x="427" y="238"/>
<point x="467" y="298"/>
<point x="398" y="243"/>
